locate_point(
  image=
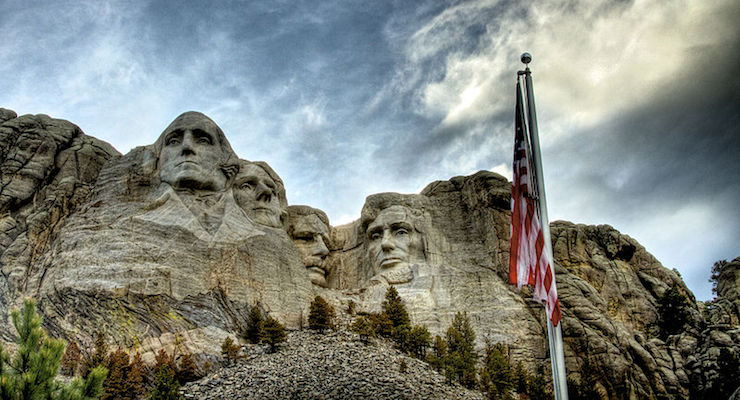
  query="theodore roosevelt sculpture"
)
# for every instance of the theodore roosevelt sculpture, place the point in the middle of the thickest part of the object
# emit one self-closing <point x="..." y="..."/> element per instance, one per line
<point x="309" y="229"/>
<point x="259" y="191"/>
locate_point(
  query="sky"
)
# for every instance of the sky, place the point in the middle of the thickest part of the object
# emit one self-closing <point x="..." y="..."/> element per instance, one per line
<point x="638" y="102"/>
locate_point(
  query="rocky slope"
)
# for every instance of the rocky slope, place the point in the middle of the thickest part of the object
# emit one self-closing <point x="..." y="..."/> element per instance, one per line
<point x="332" y="366"/>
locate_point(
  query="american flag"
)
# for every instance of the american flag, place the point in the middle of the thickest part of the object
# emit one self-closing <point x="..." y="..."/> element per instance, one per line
<point x="528" y="262"/>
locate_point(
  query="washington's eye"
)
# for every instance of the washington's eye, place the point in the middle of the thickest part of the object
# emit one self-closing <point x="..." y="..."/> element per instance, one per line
<point x="402" y="231"/>
<point x="173" y="141"/>
<point x="375" y="236"/>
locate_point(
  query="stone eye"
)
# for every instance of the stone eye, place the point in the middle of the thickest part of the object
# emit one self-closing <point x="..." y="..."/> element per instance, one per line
<point x="174" y="140"/>
<point x="375" y="236"/>
<point x="248" y="185"/>
<point x="402" y="231"/>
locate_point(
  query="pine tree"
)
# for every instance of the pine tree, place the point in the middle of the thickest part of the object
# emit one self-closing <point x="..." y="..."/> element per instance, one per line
<point x="461" y="356"/>
<point x="137" y="377"/>
<point x="230" y="350"/>
<point x="30" y="373"/>
<point x="716" y="271"/>
<point x="538" y="389"/>
<point x="495" y="376"/>
<point x="273" y="333"/>
<point x="164" y="384"/>
<point x="395" y="310"/>
<point x="254" y="324"/>
<point x="521" y="378"/>
<point x="363" y="327"/>
<point x="97" y="358"/>
<point x="673" y="312"/>
<point x="115" y="385"/>
<point x="439" y="352"/>
<point x="418" y="341"/>
<point x="321" y="315"/>
<point x="381" y="324"/>
<point x="187" y="371"/>
<point x="728" y="378"/>
<point x="71" y="359"/>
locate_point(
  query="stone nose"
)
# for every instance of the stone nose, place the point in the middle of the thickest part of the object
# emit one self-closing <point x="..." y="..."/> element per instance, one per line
<point x="187" y="143"/>
<point x="386" y="243"/>
<point x="263" y="192"/>
<point x="319" y="247"/>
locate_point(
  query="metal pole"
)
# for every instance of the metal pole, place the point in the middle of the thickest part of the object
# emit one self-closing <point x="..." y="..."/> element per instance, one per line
<point x="554" y="333"/>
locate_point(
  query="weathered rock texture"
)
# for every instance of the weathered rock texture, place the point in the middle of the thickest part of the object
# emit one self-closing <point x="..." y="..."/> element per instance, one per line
<point x="106" y="243"/>
<point x="332" y="366"/>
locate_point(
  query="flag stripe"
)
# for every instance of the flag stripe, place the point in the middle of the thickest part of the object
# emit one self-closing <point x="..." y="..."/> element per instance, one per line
<point x="528" y="262"/>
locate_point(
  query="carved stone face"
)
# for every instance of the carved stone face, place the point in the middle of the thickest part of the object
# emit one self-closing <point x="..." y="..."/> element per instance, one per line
<point x="256" y="193"/>
<point x="25" y="167"/>
<point x="310" y="236"/>
<point x="393" y="241"/>
<point x="191" y="154"/>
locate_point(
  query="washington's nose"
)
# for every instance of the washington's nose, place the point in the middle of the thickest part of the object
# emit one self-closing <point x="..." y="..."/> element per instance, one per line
<point x="264" y="193"/>
<point x="320" y="248"/>
<point x="187" y="143"/>
<point x="386" y="243"/>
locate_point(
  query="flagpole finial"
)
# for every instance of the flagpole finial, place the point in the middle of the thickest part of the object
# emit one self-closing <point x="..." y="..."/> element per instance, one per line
<point x="526" y="58"/>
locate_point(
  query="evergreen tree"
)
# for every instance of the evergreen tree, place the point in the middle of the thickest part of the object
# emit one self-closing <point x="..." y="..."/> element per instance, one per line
<point x="187" y="371"/>
<point x="321" y="315"/>
<point x="363" y="327"/>
<point x="381" y="324"/>
<point x="164" y="384"/>
<point x="137" y="377"/>
<point x="521" y="378"/>
<point x="495" y="376"/>
<point x="418" y="341"/>
<point x="230" y="350"/>
<point x="71" y="359"/>
<point x="439" y="352"/>
<point x="30" y="373"/>
<point x="673" y="312"/>
<point x="255" y="319"/>
<point x="716" y="271"/>
<point x="97" y="358"/>
<point x="116" y="385"/>
<point x="461" y="356"/>
<point x="273" y="333"/>
<point x="538" y="389"/>
<point x="395" y="310"/>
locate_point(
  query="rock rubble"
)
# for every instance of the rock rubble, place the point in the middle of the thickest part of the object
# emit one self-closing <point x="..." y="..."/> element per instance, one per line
<point x="335" y="365"/>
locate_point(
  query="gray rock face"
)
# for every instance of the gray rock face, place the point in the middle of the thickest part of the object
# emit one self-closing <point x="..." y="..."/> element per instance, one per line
<point x="171" y="244"/>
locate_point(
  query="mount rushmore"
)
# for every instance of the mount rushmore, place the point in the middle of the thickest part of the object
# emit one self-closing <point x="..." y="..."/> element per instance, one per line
<point x="171" y="244"/>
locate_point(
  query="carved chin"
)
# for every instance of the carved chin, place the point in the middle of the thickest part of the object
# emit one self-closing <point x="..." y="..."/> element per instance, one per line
<point x="317" y="275"/>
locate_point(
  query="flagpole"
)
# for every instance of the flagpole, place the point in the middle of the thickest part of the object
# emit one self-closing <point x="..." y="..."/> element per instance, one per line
<point x="554" y="333"/>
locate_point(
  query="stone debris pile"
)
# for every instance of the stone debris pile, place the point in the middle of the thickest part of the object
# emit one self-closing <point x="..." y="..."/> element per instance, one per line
<point x="336" y="365"/>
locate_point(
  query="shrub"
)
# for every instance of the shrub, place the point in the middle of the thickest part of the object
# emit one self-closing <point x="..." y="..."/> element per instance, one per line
<point x="321" y="315"/>
<point x="187" y="371"/>
<point x="273" y="333"/>
<point x="164" y="384"/>
<point x="230" y="350"/>
<point x="461" y="356"/>
<point x="496" y="378"/>
<point x="673" y="312"/>
<point x="71" y="359"/>
<point x="363" y="327"/>
<point x="254" y="324"/>
<point x="418" y="341"/>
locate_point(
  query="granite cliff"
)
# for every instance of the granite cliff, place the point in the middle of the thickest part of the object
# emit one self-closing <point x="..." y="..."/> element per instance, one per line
<point x="172" y="243"/>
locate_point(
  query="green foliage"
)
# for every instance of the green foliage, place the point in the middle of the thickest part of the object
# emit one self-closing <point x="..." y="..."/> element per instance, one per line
<point x="97" y="358"/>
<point x="30" y="373"/>
<point x="587" y="388"/>
<point x="394" y="308"/>
<point x="496" y="378"/>
<point x="71" y="359"/>
<point x="521" y="378"/>
<point x="363" y="326"/>
<point x="438" y="354"/>
<point x="537" y="389"/>
<point x="164" y="384"/>
<point x="461" y="356"/>
<point x="230" y="350"/>
<point x="418" y="341"/>
<point x="673" y="312"/>
<point x="381" y="324"/>
<point x="273" y="333"/>
<point x="321" y="315"/>
<point x="716" y="271"/>
<point x="255" y="319"/>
